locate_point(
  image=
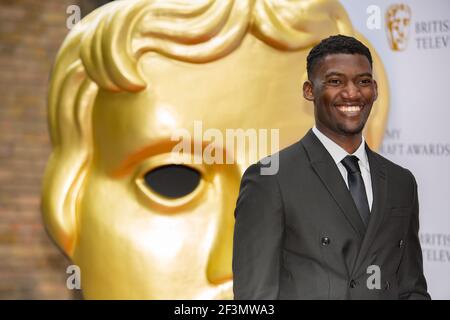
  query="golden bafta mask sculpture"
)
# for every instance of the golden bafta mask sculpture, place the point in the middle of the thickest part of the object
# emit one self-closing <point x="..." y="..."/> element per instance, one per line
<point x="128" y="76"/>
<point x="398" y="18"/>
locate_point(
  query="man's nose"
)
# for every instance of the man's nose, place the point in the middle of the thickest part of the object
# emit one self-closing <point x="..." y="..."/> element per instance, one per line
<point x="351" y="91"/>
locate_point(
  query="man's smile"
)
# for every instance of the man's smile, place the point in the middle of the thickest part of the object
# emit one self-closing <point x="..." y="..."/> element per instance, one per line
<point x="350" y="110"/>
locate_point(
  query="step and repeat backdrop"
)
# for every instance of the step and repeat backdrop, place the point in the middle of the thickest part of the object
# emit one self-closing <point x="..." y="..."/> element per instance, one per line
<point x="413" y="40"/>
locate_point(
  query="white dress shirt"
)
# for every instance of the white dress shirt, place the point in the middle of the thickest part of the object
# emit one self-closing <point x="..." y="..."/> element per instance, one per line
<point x="338" y="154"/>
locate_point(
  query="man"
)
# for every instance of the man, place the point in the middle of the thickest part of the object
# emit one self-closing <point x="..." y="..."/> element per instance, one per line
<point x="337" y="221"/>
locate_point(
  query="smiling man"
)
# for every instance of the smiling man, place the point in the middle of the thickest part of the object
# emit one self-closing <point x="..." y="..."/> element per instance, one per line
<point x="337" y="221"/>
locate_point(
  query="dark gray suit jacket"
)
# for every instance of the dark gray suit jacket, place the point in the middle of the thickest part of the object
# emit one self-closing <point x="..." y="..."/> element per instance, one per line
<point x="298" y="234"/>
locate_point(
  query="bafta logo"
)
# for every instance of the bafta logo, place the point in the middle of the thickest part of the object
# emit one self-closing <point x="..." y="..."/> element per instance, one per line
<point x="398" y="18"/>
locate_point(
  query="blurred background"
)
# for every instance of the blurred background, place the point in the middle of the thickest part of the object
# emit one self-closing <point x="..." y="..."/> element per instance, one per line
<point x="31" y="31"/>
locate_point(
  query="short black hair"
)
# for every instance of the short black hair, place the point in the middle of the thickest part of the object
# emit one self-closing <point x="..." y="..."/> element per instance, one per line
<point x="335" y="45"/>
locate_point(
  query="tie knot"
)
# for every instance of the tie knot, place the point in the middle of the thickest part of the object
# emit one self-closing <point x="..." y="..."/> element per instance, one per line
<point x="351" y="164"/>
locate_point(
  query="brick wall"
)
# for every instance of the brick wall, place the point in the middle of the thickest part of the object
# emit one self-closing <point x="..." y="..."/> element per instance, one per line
<point x="31" y="31"/>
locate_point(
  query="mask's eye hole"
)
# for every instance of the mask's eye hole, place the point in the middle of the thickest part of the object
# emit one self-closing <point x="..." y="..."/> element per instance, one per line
<point x="173" y="181"/>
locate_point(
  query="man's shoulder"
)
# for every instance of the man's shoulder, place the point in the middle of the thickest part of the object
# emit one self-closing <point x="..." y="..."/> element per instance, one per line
<point x="271" y="165"/>
<point x="291" y="153"/>
<point x="394" y="170"/>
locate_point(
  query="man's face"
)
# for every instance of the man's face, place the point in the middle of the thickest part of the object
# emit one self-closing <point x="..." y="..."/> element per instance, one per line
<point x="343" y="91"/>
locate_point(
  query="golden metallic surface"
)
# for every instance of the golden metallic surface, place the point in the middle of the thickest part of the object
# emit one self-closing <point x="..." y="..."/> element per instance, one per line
<point x="398" y="20"/>
<point x="126" y="78"/>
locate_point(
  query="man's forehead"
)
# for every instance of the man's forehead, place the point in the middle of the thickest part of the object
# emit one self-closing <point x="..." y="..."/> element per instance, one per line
<point x="342" y="63"/>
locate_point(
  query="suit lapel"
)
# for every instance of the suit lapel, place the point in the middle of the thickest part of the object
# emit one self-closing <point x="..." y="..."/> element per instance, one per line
<point x="325" y="167"/>
<point x="379" y="189"/>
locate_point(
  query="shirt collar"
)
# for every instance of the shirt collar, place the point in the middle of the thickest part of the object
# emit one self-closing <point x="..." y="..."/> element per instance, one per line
<point x="338" y="153"/>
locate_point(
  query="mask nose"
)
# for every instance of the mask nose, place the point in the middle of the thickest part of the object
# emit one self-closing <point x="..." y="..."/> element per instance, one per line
<point x="219" y="268"/>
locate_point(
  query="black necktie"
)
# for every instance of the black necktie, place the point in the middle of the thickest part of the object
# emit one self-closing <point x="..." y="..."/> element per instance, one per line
<point x="357" y="188"/>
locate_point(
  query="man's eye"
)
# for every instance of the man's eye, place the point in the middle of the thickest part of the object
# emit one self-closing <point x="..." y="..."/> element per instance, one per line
<point x="334" y="81"/>
<point x="173" y="181"/>
<point x="366" y="81"/>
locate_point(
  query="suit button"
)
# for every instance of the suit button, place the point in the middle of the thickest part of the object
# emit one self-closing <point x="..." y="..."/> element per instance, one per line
<point x="353" y="283"/>
<point x="325" y="241"/>
<point x="401" y="244"/>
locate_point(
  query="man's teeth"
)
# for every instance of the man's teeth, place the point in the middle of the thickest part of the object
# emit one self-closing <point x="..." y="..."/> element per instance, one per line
<point x="349" y="108"/>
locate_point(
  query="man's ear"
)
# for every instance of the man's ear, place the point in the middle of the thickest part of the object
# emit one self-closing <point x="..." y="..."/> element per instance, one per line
<point x="308" y="93"/>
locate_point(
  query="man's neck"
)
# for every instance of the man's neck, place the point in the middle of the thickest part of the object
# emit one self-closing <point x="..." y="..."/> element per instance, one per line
<point x="349" y="143"/>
